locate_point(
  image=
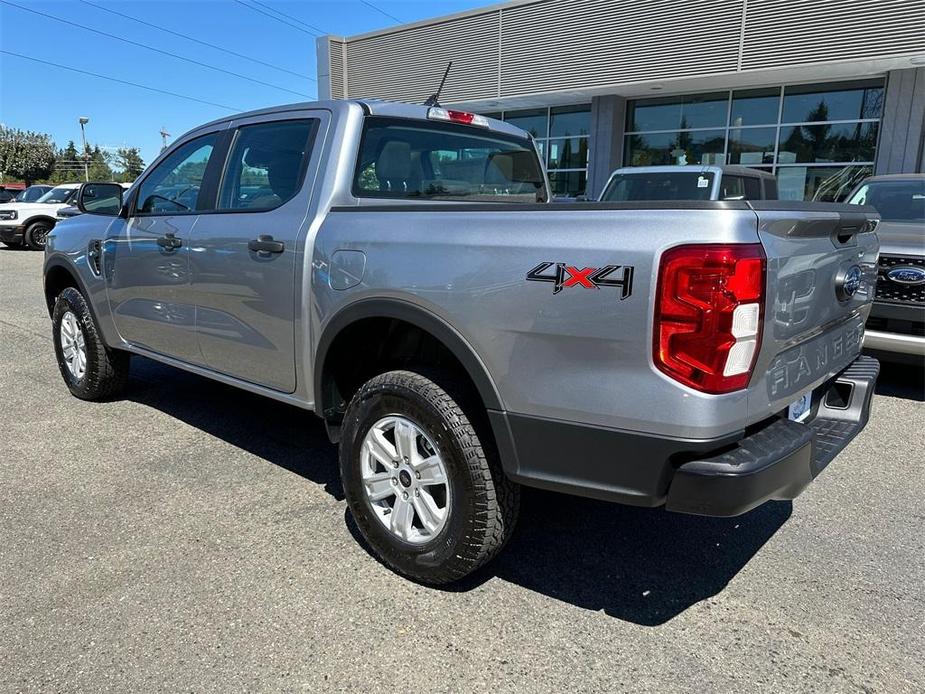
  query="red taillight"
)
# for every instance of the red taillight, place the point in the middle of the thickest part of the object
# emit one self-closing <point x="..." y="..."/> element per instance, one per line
<point x="708" y="314"/>
<point x="451" y="116"/>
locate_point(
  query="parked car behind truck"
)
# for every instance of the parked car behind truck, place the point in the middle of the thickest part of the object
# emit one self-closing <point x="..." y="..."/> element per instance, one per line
<point x="397" y="270"/>
<point x="28" y="223"/>
<point x="639" y="183"/>
<point x="896" y="326"/>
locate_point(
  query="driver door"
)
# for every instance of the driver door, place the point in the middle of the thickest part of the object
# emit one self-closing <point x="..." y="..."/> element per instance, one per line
<point x="147" y="254"/>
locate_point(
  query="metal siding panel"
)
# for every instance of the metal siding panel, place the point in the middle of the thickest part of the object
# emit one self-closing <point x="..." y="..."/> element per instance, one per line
<point x="914" y="142"/>
<point x="783" y="32"/>
<point x="337" y="70"/>
<point x="563" y="44"/>
<point x="407" y="64"/>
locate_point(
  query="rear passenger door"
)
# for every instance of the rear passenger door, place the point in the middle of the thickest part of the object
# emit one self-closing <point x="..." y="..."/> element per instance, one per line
<point x="246" y="256"/>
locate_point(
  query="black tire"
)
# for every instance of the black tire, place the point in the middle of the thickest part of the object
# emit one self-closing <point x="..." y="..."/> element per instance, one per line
<point x="106" y="370"/>
<point x="36" y="233"/>
<point x="484" y="502"/>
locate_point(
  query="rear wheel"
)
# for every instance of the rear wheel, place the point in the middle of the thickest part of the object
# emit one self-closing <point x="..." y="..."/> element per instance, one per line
<point x="36" y="234"/>
<point x="424" y="488"/>
<point x="90" y="369"/>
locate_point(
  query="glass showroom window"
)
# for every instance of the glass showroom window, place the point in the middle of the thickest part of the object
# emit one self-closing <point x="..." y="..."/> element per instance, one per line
<point x="562" y="135"/>
<point x="819" y="139"/>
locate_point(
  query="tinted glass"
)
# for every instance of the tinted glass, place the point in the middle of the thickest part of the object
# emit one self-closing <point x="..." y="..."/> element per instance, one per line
<point x="173" y="185"/>
<point x="570" y="120"/>
<point x="676" y="113"/>
<point x="754" y="107"/>
<point x="752" y="188"/>
<point x="827" y="142"/>
<point x="659" y="186"/>
<point x="264" y="168"/>
<point x="533" y="121"/>
<point x="57" y="195"/>
<point x="896" y="201"/>
<point x="839" y="101"/>
<point x="702" y="147"/>
<point x="32" y="193"/>
<point x="568" y="183"/>
<point x="819" y="183"/>
<point x="752" y="146"/>
<point x="570" y="153"/>
<point x="438" y="161"/>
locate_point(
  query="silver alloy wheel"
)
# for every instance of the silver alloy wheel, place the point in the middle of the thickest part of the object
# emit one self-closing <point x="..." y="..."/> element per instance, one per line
<point x="405" y="479"/>
<point x="73" y="346"/>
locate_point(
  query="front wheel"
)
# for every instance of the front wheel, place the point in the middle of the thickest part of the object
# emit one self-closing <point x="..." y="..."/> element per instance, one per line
<point x="90" y="369"/>
<point x="424" y="489"/>
<point x="36" y="235"/>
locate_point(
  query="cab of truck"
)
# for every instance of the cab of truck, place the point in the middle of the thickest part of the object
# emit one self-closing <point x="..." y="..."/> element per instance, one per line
<point x="638" y="183"/>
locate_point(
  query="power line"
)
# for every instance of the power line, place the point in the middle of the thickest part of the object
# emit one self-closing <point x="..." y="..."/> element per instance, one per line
<point x="381" y="11"/>
<point x="151" y="48"/>
<point x="116" y="79"/>
<point x="273" y="16"/>
<point x="195" y="40"/>
<point x="289" y="16"/>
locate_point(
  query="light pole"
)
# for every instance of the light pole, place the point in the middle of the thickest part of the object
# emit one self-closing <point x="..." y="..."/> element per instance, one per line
<point x="83" y="139"/>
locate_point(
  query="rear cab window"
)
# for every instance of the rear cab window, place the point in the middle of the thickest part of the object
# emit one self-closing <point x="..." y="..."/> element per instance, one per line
<point x="421" y="160"/>
<point x="648" y="186"/>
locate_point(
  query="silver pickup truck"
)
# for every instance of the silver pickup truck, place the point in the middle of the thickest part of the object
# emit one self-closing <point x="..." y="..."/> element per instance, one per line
<point x="398" y="270"/>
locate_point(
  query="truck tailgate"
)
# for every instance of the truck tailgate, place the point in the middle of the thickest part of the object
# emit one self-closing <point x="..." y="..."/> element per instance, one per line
<point x="822" y="273"/>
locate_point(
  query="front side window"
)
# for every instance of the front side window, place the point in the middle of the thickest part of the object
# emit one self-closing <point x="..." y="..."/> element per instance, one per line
<point x="265" y="166"/>
<point x="173" y="186"/>
<point x="403" y="158"/>
<point x="895" y="201"/>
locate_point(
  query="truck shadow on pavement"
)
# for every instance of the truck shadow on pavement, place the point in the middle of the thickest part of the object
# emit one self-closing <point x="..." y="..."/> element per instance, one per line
<point x="644" y="566"/>
<point x="901" y="380"/>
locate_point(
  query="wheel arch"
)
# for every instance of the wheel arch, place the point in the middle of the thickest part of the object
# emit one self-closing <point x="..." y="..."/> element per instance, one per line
<point x="40" y="218"/>
<point x="57" y="276"/>
<point x="420" y="318"/>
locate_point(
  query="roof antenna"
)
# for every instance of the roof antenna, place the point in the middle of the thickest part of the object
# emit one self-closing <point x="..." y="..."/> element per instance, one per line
<point x="434" y="99"/>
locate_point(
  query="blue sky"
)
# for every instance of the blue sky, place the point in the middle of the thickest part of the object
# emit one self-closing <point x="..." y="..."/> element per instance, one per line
<point x="36" y="96"/>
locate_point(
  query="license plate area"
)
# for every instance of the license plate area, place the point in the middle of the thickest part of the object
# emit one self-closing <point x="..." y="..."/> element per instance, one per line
<point x="800" y="409"/>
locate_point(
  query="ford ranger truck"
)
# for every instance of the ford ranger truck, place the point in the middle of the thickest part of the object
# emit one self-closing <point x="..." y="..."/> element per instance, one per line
<point x="399" y="271"/>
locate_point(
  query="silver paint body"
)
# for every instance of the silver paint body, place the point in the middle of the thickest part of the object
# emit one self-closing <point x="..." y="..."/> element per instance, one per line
<point x="582" y="355"/>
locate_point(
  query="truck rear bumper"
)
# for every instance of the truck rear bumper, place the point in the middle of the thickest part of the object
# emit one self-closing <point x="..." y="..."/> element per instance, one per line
<point x="780" y="459"/>
<point x="775" y="459"/>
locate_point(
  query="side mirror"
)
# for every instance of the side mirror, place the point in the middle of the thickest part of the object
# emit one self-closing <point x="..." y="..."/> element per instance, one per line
<point x="100" y="198"/>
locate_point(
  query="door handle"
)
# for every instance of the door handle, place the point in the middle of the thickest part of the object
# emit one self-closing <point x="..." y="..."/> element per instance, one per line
<point x="264" y="243"/>
<point x="169" y="241"/>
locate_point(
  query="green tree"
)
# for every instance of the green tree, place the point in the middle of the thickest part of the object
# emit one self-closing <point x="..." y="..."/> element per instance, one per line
<point x="129" y="160"/>
<point x="25" y="154"/>
<point x="99" y="168"/>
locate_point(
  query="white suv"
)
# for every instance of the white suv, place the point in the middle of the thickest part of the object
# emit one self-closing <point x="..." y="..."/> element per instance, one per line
<point x="28" y="223"/>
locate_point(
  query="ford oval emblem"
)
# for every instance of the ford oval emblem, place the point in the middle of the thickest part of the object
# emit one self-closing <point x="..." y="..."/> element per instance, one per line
<point x="907" y="275"/>
<point x="847" y="284"/>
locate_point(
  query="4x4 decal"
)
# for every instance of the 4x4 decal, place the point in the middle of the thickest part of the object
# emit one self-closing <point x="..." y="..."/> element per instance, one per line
<point x="562" y="275"/>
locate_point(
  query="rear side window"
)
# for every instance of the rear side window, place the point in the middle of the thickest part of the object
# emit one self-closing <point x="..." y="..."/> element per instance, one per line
<point x="266" y="165"/>
<point x="420" y="160"/>
<point x="173" y="186"/>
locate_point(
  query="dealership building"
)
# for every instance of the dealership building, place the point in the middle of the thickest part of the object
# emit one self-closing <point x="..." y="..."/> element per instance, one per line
<point x="821" y="93"/>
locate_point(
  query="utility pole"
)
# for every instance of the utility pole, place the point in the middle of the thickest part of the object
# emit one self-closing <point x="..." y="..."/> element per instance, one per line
<point x="164" y="136"/>
<point x="83" y="139"/>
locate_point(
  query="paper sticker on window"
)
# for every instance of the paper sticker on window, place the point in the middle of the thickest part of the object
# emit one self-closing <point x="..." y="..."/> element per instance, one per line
<point x="702" y="182"/>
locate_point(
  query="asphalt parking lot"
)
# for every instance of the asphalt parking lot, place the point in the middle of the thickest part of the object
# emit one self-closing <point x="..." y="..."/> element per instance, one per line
<point x="193" y="537"/>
